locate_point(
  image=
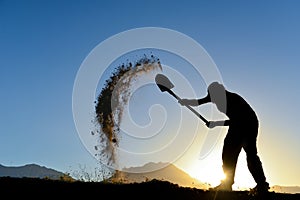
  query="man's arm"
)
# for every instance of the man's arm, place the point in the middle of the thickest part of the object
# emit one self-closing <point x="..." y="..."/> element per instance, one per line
<point x="212" y="124"/>
<point x="194" y="102"/>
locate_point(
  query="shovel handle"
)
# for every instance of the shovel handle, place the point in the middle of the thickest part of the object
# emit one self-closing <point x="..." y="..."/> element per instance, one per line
<point x="189" y="107"/>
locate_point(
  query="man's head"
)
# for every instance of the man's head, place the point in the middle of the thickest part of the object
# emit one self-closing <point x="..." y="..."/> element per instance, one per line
<point x="217" y="94"/>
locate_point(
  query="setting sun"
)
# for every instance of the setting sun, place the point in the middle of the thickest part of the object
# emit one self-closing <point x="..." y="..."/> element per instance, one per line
<point x="210" y="171"/>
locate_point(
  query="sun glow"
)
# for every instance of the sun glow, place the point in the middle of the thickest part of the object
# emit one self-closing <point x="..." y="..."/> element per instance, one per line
<point x="243" y="178"/>
<point x="210" y="171"/>
<point x="210" y="174"/>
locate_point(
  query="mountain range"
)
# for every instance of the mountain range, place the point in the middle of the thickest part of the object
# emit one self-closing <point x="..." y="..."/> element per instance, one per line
<point x="173" y="174"/>
<point x="166" y="172"/>
<point x="30" y="171"/>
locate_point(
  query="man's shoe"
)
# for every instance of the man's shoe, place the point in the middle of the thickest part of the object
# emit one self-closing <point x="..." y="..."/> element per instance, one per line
<point x="260" y="188"/>
<point x="222" y="187"/>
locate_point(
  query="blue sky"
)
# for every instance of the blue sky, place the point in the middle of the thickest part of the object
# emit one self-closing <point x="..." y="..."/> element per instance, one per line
<point x="255" y="45"/>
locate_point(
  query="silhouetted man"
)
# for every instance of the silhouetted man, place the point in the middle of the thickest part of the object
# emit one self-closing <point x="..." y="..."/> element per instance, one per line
<point x="242" y="133"/>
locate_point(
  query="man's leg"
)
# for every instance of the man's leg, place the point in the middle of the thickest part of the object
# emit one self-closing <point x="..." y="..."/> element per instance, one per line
<point x="231" y="150"/>
<point x="255" y="165"/>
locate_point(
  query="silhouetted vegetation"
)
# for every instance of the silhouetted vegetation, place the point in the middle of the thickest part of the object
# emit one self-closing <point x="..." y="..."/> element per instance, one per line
<point x="97" y="174"/>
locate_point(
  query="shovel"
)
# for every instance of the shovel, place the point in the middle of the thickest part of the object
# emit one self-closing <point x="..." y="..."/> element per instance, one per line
<point x="165" y="85"/>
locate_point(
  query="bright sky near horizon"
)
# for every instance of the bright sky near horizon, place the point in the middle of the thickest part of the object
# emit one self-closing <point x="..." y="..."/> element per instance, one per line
<point x="254" y="44"/>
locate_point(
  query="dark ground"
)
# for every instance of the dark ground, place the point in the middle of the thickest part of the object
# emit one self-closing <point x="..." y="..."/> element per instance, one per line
<point x="29" y="188"/>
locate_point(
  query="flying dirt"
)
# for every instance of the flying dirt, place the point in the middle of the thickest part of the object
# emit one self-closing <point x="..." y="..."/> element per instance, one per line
<point x="110" y="104"/>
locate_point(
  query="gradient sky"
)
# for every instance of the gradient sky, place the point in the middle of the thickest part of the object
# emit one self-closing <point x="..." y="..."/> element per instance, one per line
<point x="254" y="44"/>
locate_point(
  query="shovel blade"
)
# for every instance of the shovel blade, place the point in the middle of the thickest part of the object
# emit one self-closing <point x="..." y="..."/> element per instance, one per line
<point x="163" y="83"/>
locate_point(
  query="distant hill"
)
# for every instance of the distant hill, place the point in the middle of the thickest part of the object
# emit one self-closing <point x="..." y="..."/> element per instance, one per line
<point x="30" y="171"/>
<point x="166" y="172"/>
<point x="286" y="189"/>
<point x="170" y="173"/>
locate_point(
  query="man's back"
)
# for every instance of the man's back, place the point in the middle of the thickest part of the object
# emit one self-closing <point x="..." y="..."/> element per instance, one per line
<point x="237" y="109"/>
